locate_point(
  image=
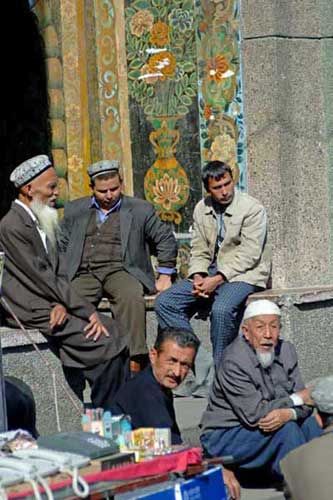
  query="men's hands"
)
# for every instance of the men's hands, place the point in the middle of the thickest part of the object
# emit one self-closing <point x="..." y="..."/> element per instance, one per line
<point x="232" y="484"/>
<point x="305" y="395"/>
<point x="95" y="328"/>
<point x="58" y="316"/>
<point x="163" y="282"/>
<point x="205" y="286"/>
<point x="275" y="419"/>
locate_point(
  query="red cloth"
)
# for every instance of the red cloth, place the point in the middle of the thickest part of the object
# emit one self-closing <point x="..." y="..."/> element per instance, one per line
<point x="174" y="462"/>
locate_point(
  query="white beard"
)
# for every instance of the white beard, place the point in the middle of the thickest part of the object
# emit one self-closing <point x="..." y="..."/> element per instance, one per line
<point x="48" y="220"/>
<point x="265" y="358"/>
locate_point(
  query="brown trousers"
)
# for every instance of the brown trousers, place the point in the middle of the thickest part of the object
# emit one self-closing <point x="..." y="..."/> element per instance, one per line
<point x="126" y="296"/>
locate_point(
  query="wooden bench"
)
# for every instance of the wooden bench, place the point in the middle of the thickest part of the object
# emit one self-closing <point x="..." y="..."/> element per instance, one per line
<point x="104" y="305"/>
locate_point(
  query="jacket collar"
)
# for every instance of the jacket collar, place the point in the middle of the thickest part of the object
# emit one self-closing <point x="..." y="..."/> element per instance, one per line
<point x="28" y="220"/>
<point x="230" y="209"/>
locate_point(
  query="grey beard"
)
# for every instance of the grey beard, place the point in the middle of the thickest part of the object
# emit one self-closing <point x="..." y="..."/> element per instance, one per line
<point x="48" y="220"/>
<point x="265" y="358"/>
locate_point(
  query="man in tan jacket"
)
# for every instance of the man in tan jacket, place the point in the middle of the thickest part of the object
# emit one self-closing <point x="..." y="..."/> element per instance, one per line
<point x="230" y="259"/>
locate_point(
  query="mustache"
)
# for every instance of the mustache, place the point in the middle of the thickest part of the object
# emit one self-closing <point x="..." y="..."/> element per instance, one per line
<point x="174" y="377"/>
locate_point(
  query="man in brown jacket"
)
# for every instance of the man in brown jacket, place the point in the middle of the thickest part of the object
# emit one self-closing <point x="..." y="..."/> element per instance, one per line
<point x="39" y="292"/>
<point x="230" y="259"/>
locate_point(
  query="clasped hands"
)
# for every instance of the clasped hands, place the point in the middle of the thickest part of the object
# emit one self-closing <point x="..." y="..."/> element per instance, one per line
<point x="277" y="418"/>
<point x="94" y="328"/>
<point x="204" y="286"/>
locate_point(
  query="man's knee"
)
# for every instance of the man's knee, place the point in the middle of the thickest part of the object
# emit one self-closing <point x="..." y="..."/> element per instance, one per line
<point x="131" y="297"/>
<point x="162" y="301"/>
<point x="291" y="434"/>
<point x="222" y="311"/>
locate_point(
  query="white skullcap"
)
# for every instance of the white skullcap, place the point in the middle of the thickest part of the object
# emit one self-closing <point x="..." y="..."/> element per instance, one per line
<point x="102" y="167"/>
<point x="29" y="169"/>
<point x="322" y="394"/>
<point x="259" y="307"/>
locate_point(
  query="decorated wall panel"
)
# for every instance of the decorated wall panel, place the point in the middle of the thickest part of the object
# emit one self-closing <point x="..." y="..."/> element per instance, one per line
<point x="154" y="83"/>
<point x="52" y="42"/>
<point x="220" y="87"/>
<point x="185" y="98"/>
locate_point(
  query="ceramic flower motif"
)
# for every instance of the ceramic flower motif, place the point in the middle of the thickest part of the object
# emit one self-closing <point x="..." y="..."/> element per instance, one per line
<point x="160" y="42"/>
<point x="217" y="67"/>
<point x="208" y="112"/>
<point x="180" y="19"/>
<point x="149" y="76"/>
<point x="160" y="34"/>
<point x="223" y="149"/>
<point x="166" y="191"/>
<point x="141" y="22"/>
<point x="75" y="164"/>
<point x="162" y="64"/>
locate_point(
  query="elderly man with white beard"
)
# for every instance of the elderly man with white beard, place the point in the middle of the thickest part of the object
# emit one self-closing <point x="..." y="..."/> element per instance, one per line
<point x="38" y="291"/>
<point x="259" y="408"/>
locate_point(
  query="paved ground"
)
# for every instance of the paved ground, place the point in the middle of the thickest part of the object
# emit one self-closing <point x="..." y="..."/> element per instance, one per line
<point x="188" y="413"/>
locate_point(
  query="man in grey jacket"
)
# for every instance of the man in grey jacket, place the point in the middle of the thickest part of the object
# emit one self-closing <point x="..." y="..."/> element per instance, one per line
<point x="108" y="240"/>
<point x="258" y="409"/>
<point x="230" y="259"/>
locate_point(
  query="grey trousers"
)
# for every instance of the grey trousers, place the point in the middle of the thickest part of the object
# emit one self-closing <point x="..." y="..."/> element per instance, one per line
<point x="126" y="296"/>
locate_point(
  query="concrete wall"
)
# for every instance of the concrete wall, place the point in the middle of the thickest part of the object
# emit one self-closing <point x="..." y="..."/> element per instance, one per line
<point x="287" y="49"/>
<point x="22" y="361"/>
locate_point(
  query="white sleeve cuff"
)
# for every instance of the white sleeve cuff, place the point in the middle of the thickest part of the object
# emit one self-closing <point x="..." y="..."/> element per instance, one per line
<point x="294" y="414"/>
<point x="297" y="400"/>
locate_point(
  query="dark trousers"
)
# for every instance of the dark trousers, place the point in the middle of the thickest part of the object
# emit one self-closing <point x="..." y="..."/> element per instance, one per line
<point x="104" y="379"/>
<point x="253" y="449"/>
<point x="177" y="305"/>
<point x="126" y="296"/>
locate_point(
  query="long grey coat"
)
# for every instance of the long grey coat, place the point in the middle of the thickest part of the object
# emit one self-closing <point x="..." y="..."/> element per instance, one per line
<point x="142" y="234"/>
<point x="33" y="283"/>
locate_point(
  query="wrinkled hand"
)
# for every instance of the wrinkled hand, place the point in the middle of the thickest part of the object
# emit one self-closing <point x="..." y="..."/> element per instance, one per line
<point x="305" y="395"/>
<point x="275" y="419"/>
<point x="163" y="282"/>
<point x="95" y="328"/>
<point x="58" y="316"/>
<point x="205" y="286"/>
<point x="232" y="484"/>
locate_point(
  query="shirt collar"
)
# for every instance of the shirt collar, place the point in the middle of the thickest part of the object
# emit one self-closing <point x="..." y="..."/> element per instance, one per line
<point x="27" y="209"/>
<point x="94" y="204"/>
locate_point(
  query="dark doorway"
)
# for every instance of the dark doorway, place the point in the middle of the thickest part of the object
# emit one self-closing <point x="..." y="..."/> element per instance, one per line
<point x="24" y="109"/>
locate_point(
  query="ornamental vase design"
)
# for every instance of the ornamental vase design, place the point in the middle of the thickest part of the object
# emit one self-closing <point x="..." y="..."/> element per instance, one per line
<point x="166" y="183"/>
